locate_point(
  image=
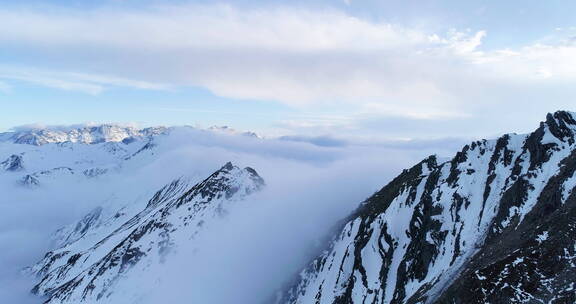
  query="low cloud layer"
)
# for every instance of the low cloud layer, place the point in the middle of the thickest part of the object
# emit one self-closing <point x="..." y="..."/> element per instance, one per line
<point x="261" y="244"/>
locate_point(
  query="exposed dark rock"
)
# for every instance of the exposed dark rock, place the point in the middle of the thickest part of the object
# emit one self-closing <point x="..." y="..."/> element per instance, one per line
<point x="14" y="163"/>
<point x="29" y="181"/>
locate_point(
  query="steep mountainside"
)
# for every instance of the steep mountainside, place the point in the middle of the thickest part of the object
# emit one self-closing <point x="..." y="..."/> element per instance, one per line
<point x="104" y="249"/>
<point x="495" y="224"/>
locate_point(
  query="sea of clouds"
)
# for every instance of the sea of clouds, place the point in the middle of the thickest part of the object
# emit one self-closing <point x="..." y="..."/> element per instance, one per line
<point x="311" y="184"/>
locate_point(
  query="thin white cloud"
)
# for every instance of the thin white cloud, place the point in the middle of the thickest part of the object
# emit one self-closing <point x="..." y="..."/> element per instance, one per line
<point x="72" y="81"/>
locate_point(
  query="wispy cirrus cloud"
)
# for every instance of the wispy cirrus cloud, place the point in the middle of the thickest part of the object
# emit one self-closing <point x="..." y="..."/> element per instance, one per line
<point x="72" y="81"/>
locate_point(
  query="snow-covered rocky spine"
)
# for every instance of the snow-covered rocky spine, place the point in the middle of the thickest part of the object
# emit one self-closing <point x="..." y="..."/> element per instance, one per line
<point x="98" y="252"/>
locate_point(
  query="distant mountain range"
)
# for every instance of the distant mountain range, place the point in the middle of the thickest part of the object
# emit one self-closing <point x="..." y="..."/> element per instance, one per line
<point x="86" y="135"/>
<point x="96" y="134"/>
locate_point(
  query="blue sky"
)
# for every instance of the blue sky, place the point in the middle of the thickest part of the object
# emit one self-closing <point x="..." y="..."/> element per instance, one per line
<point x="370" y="69"/>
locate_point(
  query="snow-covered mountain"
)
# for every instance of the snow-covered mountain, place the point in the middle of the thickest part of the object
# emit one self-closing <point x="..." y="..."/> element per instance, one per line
<point x="100" y="250"/>
<point x="494" y="224"/>
<point x="231" y="131"/>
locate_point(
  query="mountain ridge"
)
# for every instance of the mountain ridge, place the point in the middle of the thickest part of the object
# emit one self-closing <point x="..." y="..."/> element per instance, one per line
<point x="84" y="270"/>
<point x="99" y="133"/>
<point x="81" y="134"/>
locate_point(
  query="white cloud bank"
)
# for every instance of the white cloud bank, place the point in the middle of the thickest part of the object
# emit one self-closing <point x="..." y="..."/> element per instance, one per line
<point x="309" y="187"/>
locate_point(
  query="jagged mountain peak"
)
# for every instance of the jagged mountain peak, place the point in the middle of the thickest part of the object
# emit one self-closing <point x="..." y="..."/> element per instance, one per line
<point x="231" y="169"/>
<point x="561" y="124"/>
<point x="231" y="131"/>
<point x="228" y="181"/>
<point x="565" y="117"/>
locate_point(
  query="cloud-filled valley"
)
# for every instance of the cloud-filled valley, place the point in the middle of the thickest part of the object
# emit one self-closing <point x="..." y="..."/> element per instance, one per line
<point x="308" y="188"/>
